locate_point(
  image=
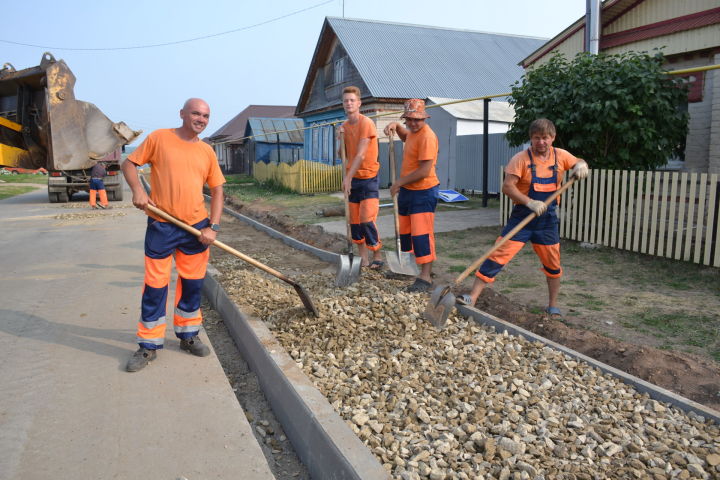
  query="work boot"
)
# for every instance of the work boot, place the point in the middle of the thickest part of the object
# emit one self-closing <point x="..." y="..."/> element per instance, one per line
<point x="101" y="206"/>
<point x="195" y="346"/>
<point x="140" y="359"/>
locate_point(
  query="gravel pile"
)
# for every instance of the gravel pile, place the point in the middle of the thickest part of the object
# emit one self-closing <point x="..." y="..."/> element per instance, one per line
<point x="466" y="402"/>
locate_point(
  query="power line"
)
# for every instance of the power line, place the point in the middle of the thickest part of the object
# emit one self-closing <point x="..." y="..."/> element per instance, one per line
<point x="165" y="44"/>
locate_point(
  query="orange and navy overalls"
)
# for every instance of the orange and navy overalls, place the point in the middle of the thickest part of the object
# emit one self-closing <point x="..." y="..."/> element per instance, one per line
<point x="162" y="239"/>
<point x="416" y="215"/>
<point x="543" y="231"/>
<point x="364" y="203"/>
<point x="97" y="186"/>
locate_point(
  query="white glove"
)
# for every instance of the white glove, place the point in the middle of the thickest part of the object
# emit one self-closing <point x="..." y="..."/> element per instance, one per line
<point x="536" y="206"/>
<point x="580" y="170"/>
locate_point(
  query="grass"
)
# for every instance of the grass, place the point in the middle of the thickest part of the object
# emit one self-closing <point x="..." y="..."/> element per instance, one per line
<point x="271" y="193"/>
<point x="24" y="178"/>
<point x="7" y="191"/>
<point x="679" y="327"/>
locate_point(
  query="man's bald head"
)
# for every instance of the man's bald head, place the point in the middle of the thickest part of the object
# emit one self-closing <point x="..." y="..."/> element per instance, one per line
<point x="195" y="115"/>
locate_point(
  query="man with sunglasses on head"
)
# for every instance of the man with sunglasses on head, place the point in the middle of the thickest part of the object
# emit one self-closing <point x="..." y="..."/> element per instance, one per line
<point x="417" y="189"/>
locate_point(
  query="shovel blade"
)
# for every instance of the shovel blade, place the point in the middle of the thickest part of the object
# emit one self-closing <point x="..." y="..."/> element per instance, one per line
<point x="348" y="270"/>
<point x="307" y="302"/>
<point x="442" y="301"/>
<point x="404" y="263"/>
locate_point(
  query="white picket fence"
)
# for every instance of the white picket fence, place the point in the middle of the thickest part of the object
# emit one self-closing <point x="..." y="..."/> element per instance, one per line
<point x="661" y="213"/>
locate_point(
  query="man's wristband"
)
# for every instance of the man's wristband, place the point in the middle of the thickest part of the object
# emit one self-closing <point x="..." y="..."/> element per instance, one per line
<point x="215" y="227"/>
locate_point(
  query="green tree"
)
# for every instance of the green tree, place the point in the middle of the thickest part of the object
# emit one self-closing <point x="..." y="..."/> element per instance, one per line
<point x="615" y="111"/>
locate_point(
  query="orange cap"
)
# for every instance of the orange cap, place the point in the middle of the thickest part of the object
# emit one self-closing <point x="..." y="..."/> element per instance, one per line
<point x="415" y="108"/>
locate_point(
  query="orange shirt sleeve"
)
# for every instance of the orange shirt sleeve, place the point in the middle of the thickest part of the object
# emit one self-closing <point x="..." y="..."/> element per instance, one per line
<point x="144" y="152"/>
<point x="215" y="176"/>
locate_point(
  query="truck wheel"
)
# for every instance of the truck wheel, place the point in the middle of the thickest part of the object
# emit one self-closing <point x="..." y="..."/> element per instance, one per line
<point x="53" y="197"/>
<point x="115" y="194"/>
<point x="63" y="197"/>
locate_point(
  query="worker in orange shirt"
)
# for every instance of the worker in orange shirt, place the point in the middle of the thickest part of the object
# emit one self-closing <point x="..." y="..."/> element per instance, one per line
<point x="181" y="165"/>
<point x="360" y="181"/>
<point x="417" y="189"/>
<point x="531" y="177"/>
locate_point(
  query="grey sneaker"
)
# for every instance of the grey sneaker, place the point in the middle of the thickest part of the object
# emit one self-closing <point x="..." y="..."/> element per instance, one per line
<point x="195" y="346"/>
<point x="140" y="359"/>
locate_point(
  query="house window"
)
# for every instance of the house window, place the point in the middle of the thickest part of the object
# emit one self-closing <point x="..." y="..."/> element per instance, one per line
<point x="316" y="143"/>
<point x="339" y="71"/>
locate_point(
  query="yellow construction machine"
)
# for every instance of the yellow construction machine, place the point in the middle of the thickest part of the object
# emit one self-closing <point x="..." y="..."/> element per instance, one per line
<point x="43" y="125"/>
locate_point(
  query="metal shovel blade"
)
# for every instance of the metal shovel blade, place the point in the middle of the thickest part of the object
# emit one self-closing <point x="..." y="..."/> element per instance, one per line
<point x="404" y="264"/>
<point x="306" y="300"/>
<point x="348" y="270"/>
<point x="442" y="301"/>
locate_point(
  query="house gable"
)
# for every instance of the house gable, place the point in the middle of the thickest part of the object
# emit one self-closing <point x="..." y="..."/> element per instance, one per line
<point x="641" y="25"/>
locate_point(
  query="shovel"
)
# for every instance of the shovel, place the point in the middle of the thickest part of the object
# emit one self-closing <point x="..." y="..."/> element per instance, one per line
<point x="442" y="301"/>
<point x="399" y="261"/>
<point x="348" y="271"/>
<point x="298" y="288"/>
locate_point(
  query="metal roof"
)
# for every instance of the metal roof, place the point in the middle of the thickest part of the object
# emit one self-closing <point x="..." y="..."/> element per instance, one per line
<point x="412" y="61"/>
<point x="235" y="128"/>
<point x="259" y="126"/>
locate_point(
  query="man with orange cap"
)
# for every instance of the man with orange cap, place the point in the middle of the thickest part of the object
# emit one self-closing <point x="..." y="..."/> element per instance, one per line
<point x="181" y="165"/>
<point x="417" y="189"/>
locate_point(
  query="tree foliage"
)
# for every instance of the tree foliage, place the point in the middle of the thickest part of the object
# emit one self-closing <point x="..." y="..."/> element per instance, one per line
<point x="615" y="111"/>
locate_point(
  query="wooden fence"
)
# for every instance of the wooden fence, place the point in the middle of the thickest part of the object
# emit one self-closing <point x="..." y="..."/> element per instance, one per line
<point x="666" y="214"/>
<point x="302" y="176"/>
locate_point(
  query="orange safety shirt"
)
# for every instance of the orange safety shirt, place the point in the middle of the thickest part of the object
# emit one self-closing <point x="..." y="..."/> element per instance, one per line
<point x="179" y="170"/>
<point x="519" y="165"/>
<point x="420" y="146"/>
<point x="363" y="128"/>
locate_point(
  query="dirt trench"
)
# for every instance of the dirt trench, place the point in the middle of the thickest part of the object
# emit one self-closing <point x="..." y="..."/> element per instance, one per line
<point x="686" y="374"/>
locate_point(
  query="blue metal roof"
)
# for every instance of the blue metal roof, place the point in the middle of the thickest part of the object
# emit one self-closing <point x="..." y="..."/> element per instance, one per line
<point x="413" y="61"/>
<point x="259" y="126"/>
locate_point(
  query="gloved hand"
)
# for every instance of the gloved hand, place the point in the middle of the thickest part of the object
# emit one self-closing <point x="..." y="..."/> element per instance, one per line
<point x="537" y="206"/>
<point x="580" y="170"/>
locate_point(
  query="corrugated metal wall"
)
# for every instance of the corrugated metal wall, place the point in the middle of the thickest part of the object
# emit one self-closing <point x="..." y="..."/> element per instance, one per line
<point x="470" y="161"/>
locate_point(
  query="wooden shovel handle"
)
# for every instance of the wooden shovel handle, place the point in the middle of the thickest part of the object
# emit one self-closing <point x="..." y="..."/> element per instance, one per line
<point x="512" y="233"/>
<point x="393" y="174"/>
<point x="343" y="157"/>
<point x="220" y="244"/>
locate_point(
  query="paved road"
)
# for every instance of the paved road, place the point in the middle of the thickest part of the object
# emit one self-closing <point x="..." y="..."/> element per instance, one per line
<point x="69" y="300"/>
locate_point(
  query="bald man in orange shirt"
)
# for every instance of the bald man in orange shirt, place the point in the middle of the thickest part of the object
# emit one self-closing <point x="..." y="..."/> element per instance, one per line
<point x="181" y="165"/>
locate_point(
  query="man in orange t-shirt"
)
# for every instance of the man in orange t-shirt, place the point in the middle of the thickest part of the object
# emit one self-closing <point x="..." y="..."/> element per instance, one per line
<point x="531" y="177"/>
<point x="181" y="164"/>
<point x="417" y="189"/>
<point x="360" y="180"/>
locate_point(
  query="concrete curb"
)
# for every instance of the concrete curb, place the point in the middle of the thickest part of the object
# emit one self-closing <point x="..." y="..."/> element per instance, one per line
<point x="323" y="255"/>
<point x="323" y="441"/>
<point x="655" y="392"/>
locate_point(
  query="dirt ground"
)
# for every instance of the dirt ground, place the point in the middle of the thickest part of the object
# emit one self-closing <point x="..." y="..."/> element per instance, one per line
<point x="600" y="299"/>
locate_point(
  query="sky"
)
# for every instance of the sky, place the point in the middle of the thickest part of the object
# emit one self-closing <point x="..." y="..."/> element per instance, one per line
<point x="262" y="61"/>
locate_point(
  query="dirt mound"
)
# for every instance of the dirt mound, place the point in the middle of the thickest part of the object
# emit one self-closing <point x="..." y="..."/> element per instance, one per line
<point x="311" y="234"/>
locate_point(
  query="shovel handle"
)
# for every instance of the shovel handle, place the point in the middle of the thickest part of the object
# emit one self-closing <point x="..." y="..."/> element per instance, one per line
<point x="393" y="173"/>
<point x="512" y="233"/>
<point x="343" y="157"/>
<point x="220" y="244"/>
